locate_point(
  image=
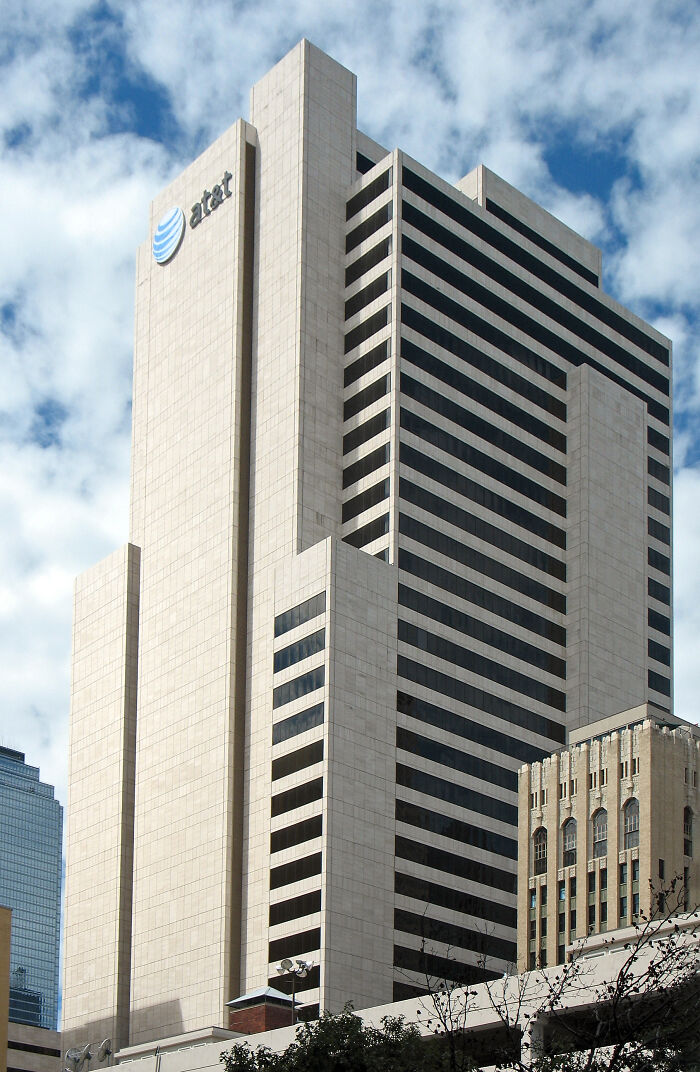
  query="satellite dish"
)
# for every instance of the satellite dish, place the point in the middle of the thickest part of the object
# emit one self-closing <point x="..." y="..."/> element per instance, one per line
<point x="77" y="1056"/>
<point x="105" y="1050"/>
<point x="286" y="964"/>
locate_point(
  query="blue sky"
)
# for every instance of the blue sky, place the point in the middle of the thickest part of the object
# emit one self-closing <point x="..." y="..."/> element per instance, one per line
<point x="593" y="109"/>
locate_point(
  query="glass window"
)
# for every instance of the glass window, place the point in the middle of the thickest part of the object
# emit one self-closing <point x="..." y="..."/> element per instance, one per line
<point x="604" y="878"/>
<point x="572" y="887"/>
<point x="591" y="881"/>
<point x="572" y="921"/>
<point x="623" y="910"/>
<point x="569" y="842"/>
<point x="600" y="833"/>
<point x="533" y="928"/>
<point x="630" y="814"/>
<point x="687" y="832"/>
<point x="635" y="904"/>
<point x="623" y="874"/>
<point x="533" y="898"/>
<point x="562" y="891"/>
<point x="591" y="916"/>
<point x="635" y="870"/>
<point x="540" y="851"/>
<point x="543" y="895"/>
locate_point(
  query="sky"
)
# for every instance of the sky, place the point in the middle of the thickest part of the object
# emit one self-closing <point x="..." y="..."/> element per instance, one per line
<point x="591" y="108"/>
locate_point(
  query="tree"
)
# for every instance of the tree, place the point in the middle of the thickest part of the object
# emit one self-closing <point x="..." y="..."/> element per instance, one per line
<point x="340" y="1043"/>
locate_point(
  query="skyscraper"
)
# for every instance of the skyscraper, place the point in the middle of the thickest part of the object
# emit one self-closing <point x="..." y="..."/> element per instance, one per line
<point x="31" y="823"/>
<point x="400" y="515"/>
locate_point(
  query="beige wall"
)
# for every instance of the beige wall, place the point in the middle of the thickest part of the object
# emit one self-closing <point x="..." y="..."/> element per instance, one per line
<point x="34" y="1049"/>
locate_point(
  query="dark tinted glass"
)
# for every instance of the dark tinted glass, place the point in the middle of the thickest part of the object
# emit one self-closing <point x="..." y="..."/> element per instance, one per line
<point x="465" y="833"/>
<point x="456" y="865"/>
<point x="366" y="499"/>
<point x="373" y="290"/>
<point x="297" y="834"/>
<point x="657" y="440"/>
<point x="299" y="686"/>
<point x="367" y="328"/>
<point x="295" y="871"/>
<point x="658" y="471"/>
<point x="452" y="935"/>
<point x="658" y="531"/>
<point x="432" y="715"/>
<point x="506" y="710"/>
<point x="459" y="795"/>
<point x="296" y="797"/>
<point x="365" y="431"/>
<point x="488" y="634"/>
<point x="659" y="652"/>
<point x="365" y="466"/>
<point x="368" y="226"/>
<point x="659" y="591"/>
<point x="367" y="195"/>
<point x="658" y="501"/>
<point x="367" y="261"/>
<point x="538" y="240"/>
<point x="454" y="758"/>
<point x="659" y="683"/>
<point x="658" y="561"/>
<point x="296" y="761"/>
<point x="660" y="622"/>
<point x="433" y="966"/>
<point x="296" y="724"/>
<point x="301" y="649"/>
<point x="303" y="612"/>
<point x="294" y="945"/>
<point x="372" y="531"/>
<point x="366" y="363"/>
<point x="367" y="396"/>
<point x="363" y="163"/>
<point x="295" y="907"/>
<point x="310" y="982"/>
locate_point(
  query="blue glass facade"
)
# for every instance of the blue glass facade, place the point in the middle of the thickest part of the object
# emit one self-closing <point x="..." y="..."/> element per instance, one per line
<point x="30" y="884"/>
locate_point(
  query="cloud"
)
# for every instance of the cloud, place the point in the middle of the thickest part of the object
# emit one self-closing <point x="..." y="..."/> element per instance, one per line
<point x="591" y="109"/>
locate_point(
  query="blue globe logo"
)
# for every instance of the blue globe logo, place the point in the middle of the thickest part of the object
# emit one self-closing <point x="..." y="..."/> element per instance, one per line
<point x="168" y="236"/>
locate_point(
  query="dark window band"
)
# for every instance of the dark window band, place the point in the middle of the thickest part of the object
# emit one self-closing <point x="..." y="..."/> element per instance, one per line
<point x="367" y="328"/>
<point x="658" y="683"/>
<point x="296" y="797"/>
<point x="295" y="907"/>
<point x="469" y="626"/>
<point x="468" y="556"/>
<point x="364" y="432"/>
<point x="658" y="471"/>
<point x="459" y="795"/>
<point x="303" y="612"/>
<point x="659" y="591"/>
<point x="501" y="743"/>
<point x="476" y="526"/>
<point x="363" y="163"/>
<point x="296" y="761"/>
<point x="490" y="433"/>
<point x="294" y="945"/>
<point x="476" y="697"/>
<point x="369" y="532"/>
<point x="368" y="227"/>
<point x="660" y="502"/>
<point x="367" y="261"/>
<point x="452" y="935"/>
<point x="657" y="561"/>
<point x="364" y="466"/>
<point x="659" y="652"/>
<point x="468" y="353"/>
<point x="456" y="759"/>
<point x="366" y="363"/>
<point x="538" y="240"/>
<point x="365" y="500"/>
<point x="456" y="830"/>
<point x="457" y="866"/>
<point x="658" y="531"/>
<point x="368" y="294"/>
<point x="437" y="967"/>
<point x="480" y="597"/>
<point x="306" y="830"/>
<point x="299" y="686"/>
<point x="658" y="441"/>
<point x="295" y="871"/>
<point x="367" y="396"/>
<point x="660" y="622"/>
<point x="471" y="388"/>
<point x="365" y="196"/>
<point x="301" y="649"/>
<point x="296" y="724"/>
<point x="310" y="982"/>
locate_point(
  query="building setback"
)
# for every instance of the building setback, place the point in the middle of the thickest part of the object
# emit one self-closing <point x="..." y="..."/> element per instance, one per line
<point x="31" y="825"/>
<point x="400" y="515"/>
<point x="607" y="832"/>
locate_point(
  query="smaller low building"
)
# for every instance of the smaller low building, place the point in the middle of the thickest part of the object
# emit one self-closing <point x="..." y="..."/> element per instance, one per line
<point x="606" y="826"/>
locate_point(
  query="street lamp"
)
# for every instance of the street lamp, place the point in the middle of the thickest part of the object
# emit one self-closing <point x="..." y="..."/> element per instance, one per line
<point x="286" y="967"/>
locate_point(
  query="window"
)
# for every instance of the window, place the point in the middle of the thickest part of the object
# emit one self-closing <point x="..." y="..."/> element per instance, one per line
<point x="569" y="842"/>
<point x="572" y="887"/>
<point x="533" y="928"/>
<point x="562" y="922"/>
<point x="572" y="921"/>
<point x="540" y="851"/>
<point x="533" y="800"/>
<point x="623" y="909"/>
<point x="543" y="927"/>
<point x="687" y="832"/>
<point x="544" y="791"/>
<point x="604" y="912"/>
<point x="635" y="904"/>
<point x="533" y="898"/>
<point x="562" y="790"/>
<point x="593" y="780"/>
<point x="635" y="870"/>
<point x="624" y="768"/>
<point x="686" y="889"/>
<point x="591" y="881"/>
<point x="600" y="833"/>
<point x="573" y="785"/>
<point x="603" y="776"/>
<point x="623" y="874"/>
<point x="562" y="891"/>
<point x="630" y="814"/>
<point x="603" y="878"/>
<point x="635" y="765"/>
<point x="591" y="917"/>
<point x="662" y="870"/>
<point x="543" y="895"/>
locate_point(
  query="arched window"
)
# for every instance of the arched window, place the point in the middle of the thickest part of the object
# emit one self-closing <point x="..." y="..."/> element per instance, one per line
<point x="540" y="850"/>
<point x="630" y="820"/>
<point x="569" y="842"/>
<point x="600" y="833"/>
<point x="687" y="832"/>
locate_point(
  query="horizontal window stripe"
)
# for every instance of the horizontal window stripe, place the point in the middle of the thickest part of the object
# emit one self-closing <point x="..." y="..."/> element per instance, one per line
<point x="658" y="501"/>
<point x="367" y="261"/>
<point x="456" y="759"/>
<point x="312" y="981"/>
<point x="366" y="465"/>
<point x="293" y="945"/>
<point x="368" y="226"/>
<point x="658" y="441"/>
<point x="367" y="294"/>
<point x="474" y="357"/>
<point x="657" y="561"/>
<point x="658" y="471"/>
<point x="367" y="396"/>
<point x="457" y="865"/>
<point x="367" y="328"/>
<point x="297" y="834"/>
<point x="454" y="515"/>
<point x="459" y="795"/>
<point x="300" y="649"/>
<point x="477" y="697"/>
<point x="471" y="388"/>
<point x="298" y="760"/>
<point x="450" y="934"/>
<point x="456" y="830"/>
<point x="365" y="363"/>
<point x="468" y="556"/>
<point x="299" y="686"/>
<point x="658" y="531"/>
<point x="295" y="907"/>
<point x="658" y="683"/>
<point x="296" y="724"/>
<point x="368" y="193"/>
<point x="303" y="612"/>
<point x="364" y="432"/>
<point x="487" y="634"/>
<point x="659" y="652"/>
<point x="659" y="591"/>
<point x="660" y="622"/>
<point x="365" y="500"/>
<point x="373" y="530"/>
<point x="538" y="240"/>
<point x="432" y="715"/>
<point x="295" y="871"/>
<point x="436" y="967"/>
<point x="296" y="797"/>
<point x="487" y="431"/>
<point x="480" y="597"/>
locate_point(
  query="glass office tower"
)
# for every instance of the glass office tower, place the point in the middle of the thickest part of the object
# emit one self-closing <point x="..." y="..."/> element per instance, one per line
<point x="31" y="822"/>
